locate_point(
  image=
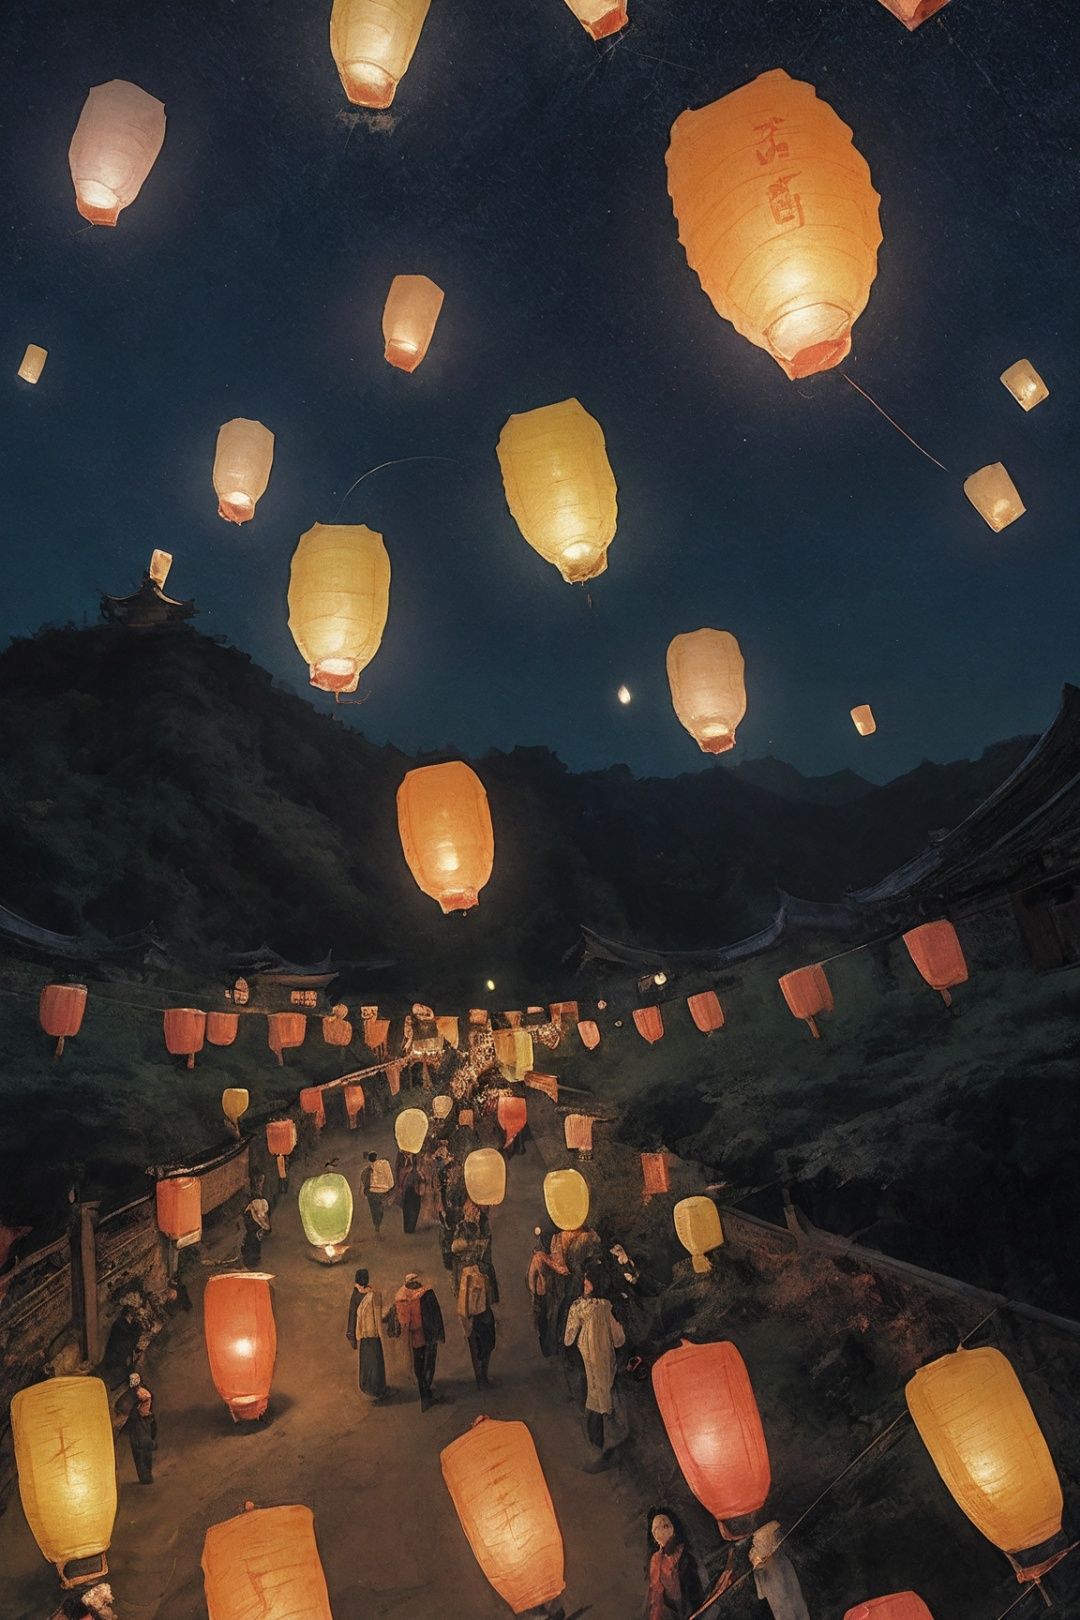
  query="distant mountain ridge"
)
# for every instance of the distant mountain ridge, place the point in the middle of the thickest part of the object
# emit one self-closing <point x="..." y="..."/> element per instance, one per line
<point x="166" y="779"/>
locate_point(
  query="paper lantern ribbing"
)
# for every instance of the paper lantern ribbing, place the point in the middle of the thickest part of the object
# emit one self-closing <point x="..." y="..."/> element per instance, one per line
<point x="60" y="1012"/>
<point x="705" y="672"/>
<point x="1021" y="379"/>
<point x="808" y="994"/>
<point x="897" y="1606"/>
<point x="241" y="1340"/>
<point x="504" y="1506"/>
<point x="242" y="463"/>
<point x="410" y="1130"/>
<point x="994" y="496"/>
<point x="234" y="1103"/>
<point x="698" y="1228"/>
<point x="339" y="597"/>
<point x="560" y="487"/>
<point x="712" y="1421"/>
<point x="655" y="1174"/>
<point x="32" y="363"/>
<point x="264" y="1565"/>
<point x="485" y="1176"/>
<point x="936" y="951"/>
<point x="412" y="308"/>
<point x="66" y="1462"/>
<point x="566" y="1197"/>
<point x="372" y="43"/>
<point x="178" y="1205"/>
<point x="115" y="145"/>
<point x="326" y="1209"/>
<point x="284" y="1031"/>
<point x="862" y="718"/>
<point x="446" y="834"/>
<point x="778" y="217"/>
<point x="975" y="1421"/>
<point x="185" y="1032"/>
<point x="913" y="12"/>
<point x="222" y="1027"/>
<point x="649" y="1023"/>
<point x="599" y="18"/>
<point x="590" y="1034"/>
<point x="706" y="1011"/>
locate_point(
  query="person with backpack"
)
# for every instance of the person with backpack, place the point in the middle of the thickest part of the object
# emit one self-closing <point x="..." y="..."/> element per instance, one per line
<point x="421" y="1323"/>
<point x="362" y="1332"/>
<point x="477" y="1320"/>
<point x="597" y="1333"/>
<point x="376" y="1183"/>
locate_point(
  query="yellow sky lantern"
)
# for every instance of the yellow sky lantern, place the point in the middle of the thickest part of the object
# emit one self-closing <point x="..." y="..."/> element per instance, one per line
<point x="63" y="1437"/>
<point x="410" y="1130"/>
<point x="409" y="316"/>
<point x="115" y="145"/>
<point x="234" y="1103"/>
<point x="778" y="217"/>
<point x="566" y="1197"/>
<point x="559" y="487"/>
<point x="705" y="672"/>
<point x="33" y="362"/>
<point x="994" y="496"/>
<point x="264" y="1565"/>
<point x="599" y="18"/>
<point x="698" y="1228"/>
<point x="485" y="1176"/>
<point x="862" y="718"/>
<point x="977" y="1424"/>
<point x="444" y="822"/>
<point x="372" y="43"/>
<point x="242" y="463"/>
<point x="1025" y="385"/>
<point x="339" y="596"/>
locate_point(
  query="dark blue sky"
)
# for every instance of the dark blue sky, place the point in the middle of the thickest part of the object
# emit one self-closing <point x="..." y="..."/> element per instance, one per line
<point x="522" y="167"/>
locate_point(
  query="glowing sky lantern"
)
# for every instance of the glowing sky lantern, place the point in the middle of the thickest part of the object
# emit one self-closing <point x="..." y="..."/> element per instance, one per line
<point x="897" y="1606"/>
<point x="66" y="1462"/>
<point x="913" y="12"/>
<point x="994" y="496"/>
<point x="599" y="18"/>
<point x="977" y="1424"/>
<point x="778" y="217"/>
<point x="241" y="1340"/>
<point x="698" y="1229"/>
<point x="485" y="1176"/>
<point x="33" y="362"/>
<point x="566" y="1197"/>
<point x="264" y="1565"/>
<point x="115" y="145"/>
<point x="178" y="1204"/>
<point x="446" y="832"/>
<point x="372" y="42"/>
<point x="708" y="691"/>
<point x="339" y="596"/>
<point x="712" y="1420"/>
<point x="1021" y="379"/>
<point x="242" y="463"/>
<point x="234" y="1103"/>
<point x="410" y="1130"/>
<point x="326" y="1209"/>
<point x="560" y="487"/>
<point x="862" y="718"/>
<point x="409" y="316"/>
<point x="504" y="1507"/>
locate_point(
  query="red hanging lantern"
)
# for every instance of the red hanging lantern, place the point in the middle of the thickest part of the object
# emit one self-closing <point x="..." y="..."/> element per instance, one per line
<point x="376" y="1031"/>
<point x="337" y="1032"/>
<point x="221" y="1028"/>
<point x="280" y="1141"/>
<point x="564" y="1012"/>
<point x="178" y="1201"/>
<point x="706" y="1011"/>
<point x="590" y="1034"/>
<point x="354" y="1102"/>
<point x="393" y="1078"/>
<point x="60" y="1012"/>
<point x="312" y="1102"/>
<point x="512" y="1114"/>
<point x="285" y="1030"/>
<point x="808" y="995"/>
<point x="577" y="1130"/>
<point x="655" y="1174"/>
<point x="898" y="1606"/>
<point x="185" y="1032"/>
<point x="649" y="1023"/>
<point x="712" y="1421"/>
<point x="935" y="949"/>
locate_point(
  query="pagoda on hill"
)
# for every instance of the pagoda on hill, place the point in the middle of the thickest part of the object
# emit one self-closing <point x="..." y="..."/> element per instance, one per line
<point x="148" y="608"/>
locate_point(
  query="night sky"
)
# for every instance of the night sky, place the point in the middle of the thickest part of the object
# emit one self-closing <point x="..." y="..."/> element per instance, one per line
<point x="522" y="168"/>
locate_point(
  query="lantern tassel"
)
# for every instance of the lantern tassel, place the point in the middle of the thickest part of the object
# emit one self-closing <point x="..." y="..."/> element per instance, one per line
<point x="896" y="425"/>
<point x="811" y="1024"/>
<point x="946" y="998"/>
<point x="191" y="1060"/>
<point x="701" y="1264"/>
<point x="281" y="1166"/>
<point x="59" y="1048"/>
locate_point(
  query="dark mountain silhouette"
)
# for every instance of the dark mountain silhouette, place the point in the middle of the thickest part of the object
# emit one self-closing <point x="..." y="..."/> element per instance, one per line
<point x="165" y="778"/>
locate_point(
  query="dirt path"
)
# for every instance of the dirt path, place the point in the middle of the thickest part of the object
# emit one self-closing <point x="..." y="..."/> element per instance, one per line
<point x="388" y="1535"/>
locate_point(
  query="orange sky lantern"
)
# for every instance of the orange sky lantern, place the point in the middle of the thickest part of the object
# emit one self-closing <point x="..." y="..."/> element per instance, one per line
<point x="778" y="217"/>
<point x="285" y="1031"/>
<point x="409" y="316"/>
<point x="222" y="1027"/>
<point x="862" y="718"/>
<point x="241" y="1340"/>
<point x="32" y="363"/>
<point x="66" y="1463"/>
<point x="339" y="597"/>
<point x="649" y="1023"/>
<point x="994" y="496"/>
<point x="60" y="1012"/>
<point x="808" y="994"/>
<point x="1023" y="382"/>
<point x="372" y="43"/>
<point x="242" y="463"/>
<point x="913" y="12"/>
<point x="599" y="18"/>
<point x="446" y="834"/>
<point x="935" y="949"/>
<point x="504" y="1506"/>
<point x="897" y="1606"/>
<point x="706" y="1011"/>
<point x="712" y="1420"/>
<point x="185" y="1032"/>
<point x="560" y="487"/>
<point x="705" y="673"/>
<point x="115" y="145"/>
<point x="264" y="1565"/>
<point x="178" y="1202"/>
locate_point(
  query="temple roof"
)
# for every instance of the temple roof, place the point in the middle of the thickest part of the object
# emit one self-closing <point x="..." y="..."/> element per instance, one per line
<point x="88" y="946"/>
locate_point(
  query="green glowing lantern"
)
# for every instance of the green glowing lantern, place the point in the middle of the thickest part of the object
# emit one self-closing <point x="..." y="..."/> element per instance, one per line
<point x="326" y="1209"/>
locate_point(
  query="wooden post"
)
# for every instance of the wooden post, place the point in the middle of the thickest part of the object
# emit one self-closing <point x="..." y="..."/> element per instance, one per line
<point x="84" y="1296"/>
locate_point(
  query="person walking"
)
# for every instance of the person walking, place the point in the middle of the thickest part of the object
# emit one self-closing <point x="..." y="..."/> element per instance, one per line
<point x="544" y="1294"/>
<point x="420" y="1317"/>
<point x="477" y="1320"/>
<point x="256" y="1227"/>
<point x="408" y="1191"/>
<point x="775" y="1580"/>
<point x="362" y="1332"/>
<point x="673" y="1584"/>
<point x="591" y="1325"/>
<point x="135" y="1406"/>
<point x="376" y="1183"/>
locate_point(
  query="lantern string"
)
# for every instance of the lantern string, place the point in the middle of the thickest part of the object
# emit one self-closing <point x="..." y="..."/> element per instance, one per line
<point x="398" y="462"/>
<point x="852" y="383"/>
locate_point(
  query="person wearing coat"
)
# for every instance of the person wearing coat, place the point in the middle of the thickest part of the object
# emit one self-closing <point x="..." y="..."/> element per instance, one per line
<point x="775" y="1579"/>
<point x="420" y="1318"/>
<point x="135" y="1406"/>
<point x="673" y="1590"/>
<point x="408" y="1190"/>
<point x="591" y="1325"/>
<point x="362" y="1332"/>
